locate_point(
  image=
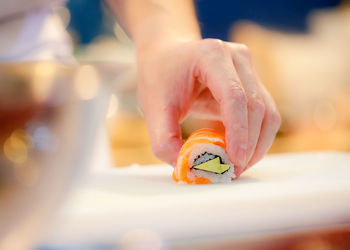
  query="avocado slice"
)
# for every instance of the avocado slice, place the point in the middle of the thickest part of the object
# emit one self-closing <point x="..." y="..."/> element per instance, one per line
<point x="213" y="165"/>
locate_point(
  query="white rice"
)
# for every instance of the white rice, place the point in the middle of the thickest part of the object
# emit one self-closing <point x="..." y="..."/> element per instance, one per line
<point x="215" y="150"/>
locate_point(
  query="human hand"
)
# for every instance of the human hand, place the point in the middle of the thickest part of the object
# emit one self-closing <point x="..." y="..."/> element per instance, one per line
<point x="211" y="79"/>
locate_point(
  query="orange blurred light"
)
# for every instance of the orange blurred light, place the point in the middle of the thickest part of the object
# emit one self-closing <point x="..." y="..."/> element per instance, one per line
<point x="86" y="82"/>
<point x="16" y="147"/>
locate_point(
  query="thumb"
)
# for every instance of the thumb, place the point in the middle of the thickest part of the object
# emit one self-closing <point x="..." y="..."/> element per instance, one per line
<point x="165" y="134"/>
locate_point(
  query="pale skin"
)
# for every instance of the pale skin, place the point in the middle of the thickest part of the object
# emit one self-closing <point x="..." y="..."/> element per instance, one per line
<point x="180" y="74"/>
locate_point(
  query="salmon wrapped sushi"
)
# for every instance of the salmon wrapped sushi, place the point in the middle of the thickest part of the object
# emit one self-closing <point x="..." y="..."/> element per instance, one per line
<point x="203" y="159"/>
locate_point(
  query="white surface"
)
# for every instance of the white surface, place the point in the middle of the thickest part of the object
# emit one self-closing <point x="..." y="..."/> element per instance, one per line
<point x="282" y="193"/>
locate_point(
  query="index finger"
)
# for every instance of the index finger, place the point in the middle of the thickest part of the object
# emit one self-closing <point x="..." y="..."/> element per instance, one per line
<point x="217" y="71"/>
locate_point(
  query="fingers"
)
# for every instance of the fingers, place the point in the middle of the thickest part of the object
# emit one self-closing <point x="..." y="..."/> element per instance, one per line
<point x="164" y="130"/>
<point x="255" y="102"/>
<point x="217" y="71"/>
<point x="269" y="128"/>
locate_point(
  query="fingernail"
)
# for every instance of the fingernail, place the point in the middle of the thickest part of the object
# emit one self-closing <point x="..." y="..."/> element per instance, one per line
<point x="241" y="155"/>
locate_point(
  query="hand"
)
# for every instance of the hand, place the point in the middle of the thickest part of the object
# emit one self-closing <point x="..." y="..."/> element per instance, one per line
<point x="211" y="79"/>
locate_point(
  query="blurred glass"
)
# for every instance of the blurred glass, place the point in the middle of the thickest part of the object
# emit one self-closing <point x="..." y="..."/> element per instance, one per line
<point x="48" y="120"/>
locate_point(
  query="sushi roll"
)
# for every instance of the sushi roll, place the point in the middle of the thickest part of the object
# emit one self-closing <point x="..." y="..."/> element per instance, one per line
<point x="203" y="159"/>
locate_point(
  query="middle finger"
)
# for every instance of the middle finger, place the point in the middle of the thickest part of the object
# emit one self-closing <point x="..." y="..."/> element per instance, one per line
<point x="255" y="103"/>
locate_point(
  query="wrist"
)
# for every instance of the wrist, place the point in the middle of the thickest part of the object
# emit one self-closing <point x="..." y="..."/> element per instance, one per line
<point x="162" y="41"/>
<point x="155" y="36"/>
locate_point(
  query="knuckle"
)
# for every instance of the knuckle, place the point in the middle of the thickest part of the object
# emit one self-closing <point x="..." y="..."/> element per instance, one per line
<point x="243" y="50"/>
<point x="163" y="145"/>
<point x="212" y="45"/>
<point x="239" y="96"/>
<point x="257" y="105"/>
<point x="158" y="150"/>
<point x="240" y="127"/>
<point x="274" y="118"/>
<point x="234" y="93"/>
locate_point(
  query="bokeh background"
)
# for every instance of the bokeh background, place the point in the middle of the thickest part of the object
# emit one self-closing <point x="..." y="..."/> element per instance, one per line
<point x="49" y="113"/>
<point x="300" y="49"/>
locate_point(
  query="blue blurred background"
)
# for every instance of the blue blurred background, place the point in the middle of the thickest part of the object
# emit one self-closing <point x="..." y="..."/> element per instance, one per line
<point x="88" y="18"/>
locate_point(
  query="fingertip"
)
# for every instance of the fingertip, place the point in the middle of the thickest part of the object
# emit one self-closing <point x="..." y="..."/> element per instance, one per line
<point x="237" y="151"/>
<point x="241" y="155"/>
<point x="177" y="144"/>
<point x="168" y="150"/>
<point x="254" y="160"/>
<point x="238" y="171"/>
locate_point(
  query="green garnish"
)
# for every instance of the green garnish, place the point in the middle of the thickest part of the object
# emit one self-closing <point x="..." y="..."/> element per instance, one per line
<point x="213" y="165"/>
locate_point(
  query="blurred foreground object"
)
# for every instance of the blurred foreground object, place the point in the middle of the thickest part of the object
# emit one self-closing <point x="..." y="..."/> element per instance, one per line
<point x="48" y="121"/>
<point x="115" y="60"/>
<point x="308" y="75"/>
<point x="127" y="130"/>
